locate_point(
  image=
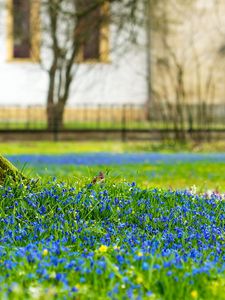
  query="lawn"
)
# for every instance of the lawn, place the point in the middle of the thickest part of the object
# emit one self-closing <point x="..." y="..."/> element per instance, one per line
<point x="143" y="232"/>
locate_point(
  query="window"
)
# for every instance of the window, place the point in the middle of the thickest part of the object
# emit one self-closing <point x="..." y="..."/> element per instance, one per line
<point x="92" y="31"/>
<point x="23" y="30"/>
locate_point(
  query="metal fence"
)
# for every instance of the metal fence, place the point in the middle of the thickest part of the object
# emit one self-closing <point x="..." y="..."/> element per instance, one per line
<point x="116" y="116"/>
<point x="185" y="118"/>
<point x="75" y="117"/>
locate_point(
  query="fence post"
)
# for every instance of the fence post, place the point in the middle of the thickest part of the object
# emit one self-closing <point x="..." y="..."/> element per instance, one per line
<point x="28" y="117"/>
<point x="123" y="130"/>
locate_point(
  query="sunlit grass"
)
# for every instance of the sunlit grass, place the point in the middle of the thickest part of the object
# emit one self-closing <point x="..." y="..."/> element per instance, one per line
<point x="204" y="175"/>
<point x="49" y="147"/>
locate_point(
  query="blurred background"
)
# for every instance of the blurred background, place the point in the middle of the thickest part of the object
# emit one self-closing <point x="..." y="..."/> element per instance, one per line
<point x="130" y="70"/>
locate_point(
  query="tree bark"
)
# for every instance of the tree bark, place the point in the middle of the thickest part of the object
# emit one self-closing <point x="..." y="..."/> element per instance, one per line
<point x="55" y="116"/>
<point x="7" y="169"/>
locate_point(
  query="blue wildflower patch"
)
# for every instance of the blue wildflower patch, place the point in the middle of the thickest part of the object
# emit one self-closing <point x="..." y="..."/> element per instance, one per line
<point x="91" y="159"/>
<point x="110" y="241"/>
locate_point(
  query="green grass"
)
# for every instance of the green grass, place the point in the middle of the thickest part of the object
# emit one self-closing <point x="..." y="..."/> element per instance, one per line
<point x="108" y="146"/>
<point x="111" y="124"/>
<point x="204" y="175"/>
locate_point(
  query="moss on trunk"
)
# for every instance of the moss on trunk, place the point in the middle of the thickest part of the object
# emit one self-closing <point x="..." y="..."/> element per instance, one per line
<point x="8" y="170"/>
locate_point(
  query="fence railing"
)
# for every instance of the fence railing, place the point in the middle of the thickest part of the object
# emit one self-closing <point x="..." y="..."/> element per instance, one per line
<point x="129" y="116"/>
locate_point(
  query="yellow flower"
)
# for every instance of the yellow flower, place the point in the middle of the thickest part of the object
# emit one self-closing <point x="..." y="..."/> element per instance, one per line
<point x="45" y="252"/>
<point x="140" y="254"/>
<point x="194" y="294"/>
<point x="139" y="279"/>
<point x="103" y="248"/>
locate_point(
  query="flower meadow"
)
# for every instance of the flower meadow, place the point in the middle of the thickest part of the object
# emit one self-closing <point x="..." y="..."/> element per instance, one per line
<point x="110" y="241"/>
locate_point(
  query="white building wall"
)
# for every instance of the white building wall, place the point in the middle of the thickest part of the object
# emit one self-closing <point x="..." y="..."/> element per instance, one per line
<point x="123" y="80"/>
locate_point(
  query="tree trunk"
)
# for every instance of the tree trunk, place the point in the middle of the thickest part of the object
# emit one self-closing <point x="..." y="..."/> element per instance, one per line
<point x="8" y="170"/>
<point x="55" y="116"/>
